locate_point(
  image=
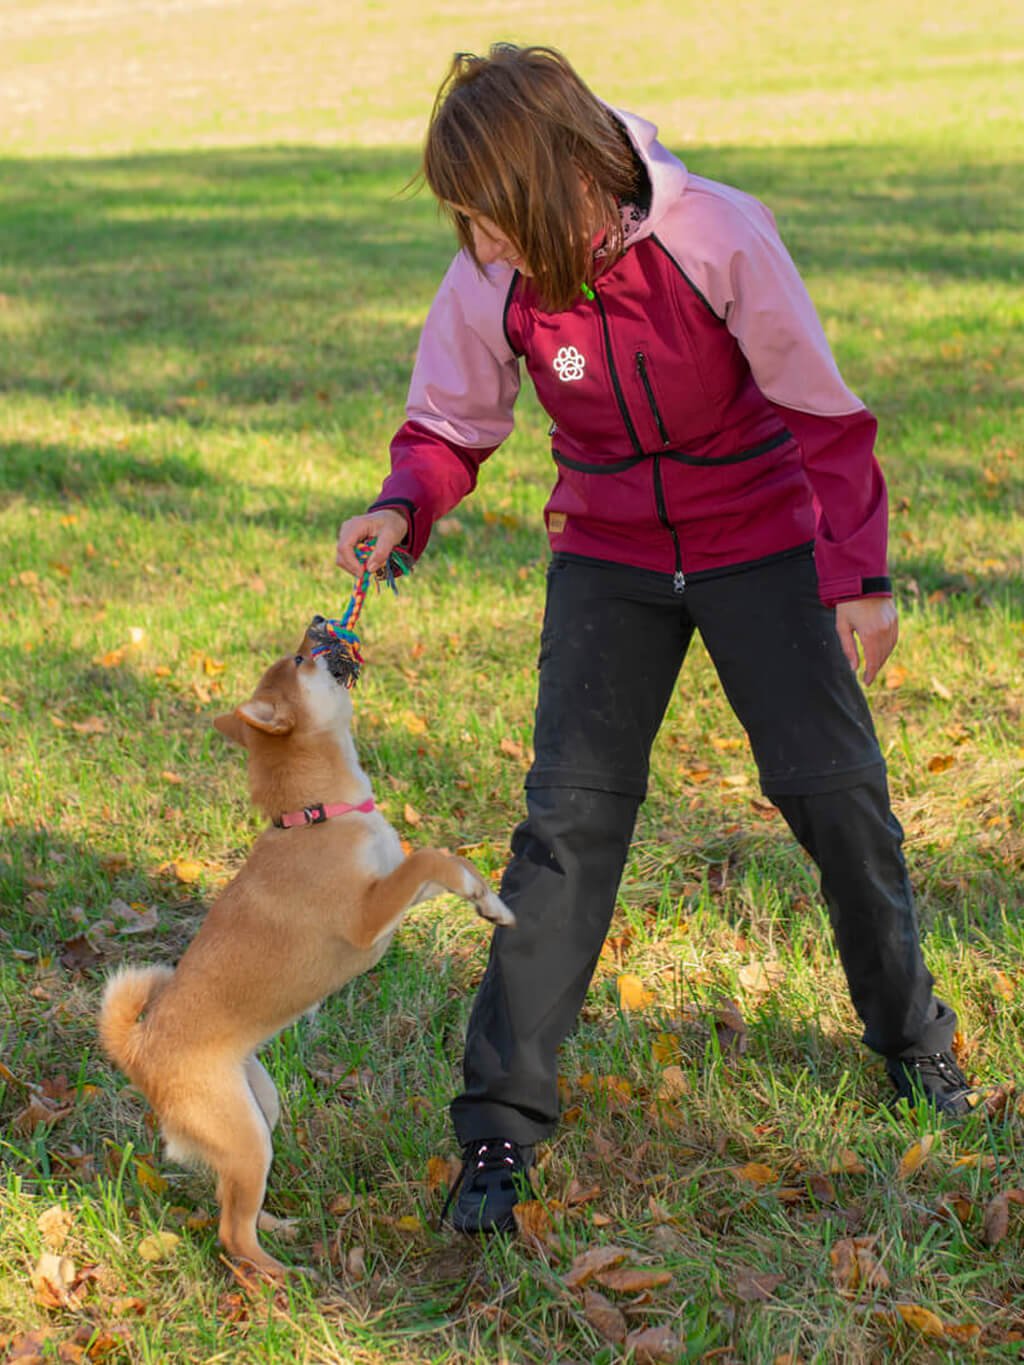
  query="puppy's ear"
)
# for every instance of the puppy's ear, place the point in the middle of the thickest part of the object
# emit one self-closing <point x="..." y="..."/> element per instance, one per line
<point x="272" y="717"/>
<point x="231" y="727"/>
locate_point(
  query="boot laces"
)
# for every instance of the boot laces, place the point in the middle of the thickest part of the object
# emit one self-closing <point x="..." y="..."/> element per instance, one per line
<point x="943" y="1066"/>
<point x="484" y="1155"/>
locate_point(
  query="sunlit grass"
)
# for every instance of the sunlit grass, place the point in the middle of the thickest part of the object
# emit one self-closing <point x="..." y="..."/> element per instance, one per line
<point x="210" y="293"/>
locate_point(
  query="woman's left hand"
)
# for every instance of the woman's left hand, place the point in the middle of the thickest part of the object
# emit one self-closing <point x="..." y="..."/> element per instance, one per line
<point x="873" y="621"/>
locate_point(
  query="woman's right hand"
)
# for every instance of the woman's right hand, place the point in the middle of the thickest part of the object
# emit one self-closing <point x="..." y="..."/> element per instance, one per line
<point x="389" y="527"/>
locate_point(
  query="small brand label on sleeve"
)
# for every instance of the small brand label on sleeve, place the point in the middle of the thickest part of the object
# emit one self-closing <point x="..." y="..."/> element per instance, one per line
<point x="556" y="522"/>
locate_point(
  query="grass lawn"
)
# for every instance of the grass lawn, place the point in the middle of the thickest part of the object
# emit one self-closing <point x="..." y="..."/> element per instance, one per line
<point x="210" y="294"/>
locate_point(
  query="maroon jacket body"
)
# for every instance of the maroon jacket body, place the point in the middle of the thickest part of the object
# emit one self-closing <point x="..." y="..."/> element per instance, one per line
<point x="699" y="422"/>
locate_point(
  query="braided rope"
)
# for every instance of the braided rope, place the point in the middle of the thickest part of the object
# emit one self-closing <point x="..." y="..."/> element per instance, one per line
<point x="336" y="637"/>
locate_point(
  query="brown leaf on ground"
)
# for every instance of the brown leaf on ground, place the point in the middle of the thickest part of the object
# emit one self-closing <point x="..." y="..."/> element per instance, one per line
<point x="32" y="1348"/>
<point x="442" y="1170"/>
<point x="673" y="1083"/>
<point x="760" y="978"/>
<point x="78" y="953"/>
<point x="616" y="1089"/>
<point x="941" y="763"/>
<point x="54" y="1224"/>
<point x="604" y="1317"/>
<point x="38" y="1111"/>
<point x="995" y="1100"/>
<point x="730" y="1028"/>
<point x="633" y="1280"/>
<point x="754" y="1286"/>
<point x="821" y="1187"/>
<point x="965" y="1332"/>
<point x="654" y="1346"/>
<point x="533" y="1223"/>
<point x="591" y="1261"/>
<point x="996" y="1222"/>
<point x="133" y="919"/>
<point x="755" y="1173"/>
<point x="855" y="1267"/>
<point x="578" y="1194"/>
<point x="1003" y="985"/>
<point x="847" y="1162"/>
<point x="92" y="725"/>
<point x="52" y="1280"/>
<point x="915" y="1156"/>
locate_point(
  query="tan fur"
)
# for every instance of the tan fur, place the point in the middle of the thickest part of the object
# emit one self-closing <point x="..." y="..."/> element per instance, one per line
<point x="311" y="908"/>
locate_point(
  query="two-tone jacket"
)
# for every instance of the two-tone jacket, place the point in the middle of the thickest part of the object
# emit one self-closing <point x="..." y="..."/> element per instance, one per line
<point x="699" y="422"/>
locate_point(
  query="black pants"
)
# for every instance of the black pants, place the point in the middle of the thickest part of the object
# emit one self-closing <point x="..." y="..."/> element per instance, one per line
<point x="613" y="642"/>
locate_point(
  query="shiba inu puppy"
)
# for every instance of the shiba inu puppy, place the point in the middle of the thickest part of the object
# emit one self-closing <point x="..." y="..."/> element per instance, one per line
<point x="317" y="902"/>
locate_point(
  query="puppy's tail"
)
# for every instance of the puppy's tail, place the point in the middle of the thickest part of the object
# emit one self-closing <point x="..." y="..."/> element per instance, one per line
<point x="128" y="994"/>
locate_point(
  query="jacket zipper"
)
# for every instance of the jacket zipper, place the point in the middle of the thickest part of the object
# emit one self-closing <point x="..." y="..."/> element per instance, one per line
<point x="645" y="380"/>
<point x="678" y="578"/>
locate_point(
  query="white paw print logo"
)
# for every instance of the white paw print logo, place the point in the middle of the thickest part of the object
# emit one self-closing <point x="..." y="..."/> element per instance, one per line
<point x="568" y="364"/>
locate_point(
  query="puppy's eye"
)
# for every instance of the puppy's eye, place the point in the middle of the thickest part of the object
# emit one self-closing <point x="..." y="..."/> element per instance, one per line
<point x="299" y="660"/>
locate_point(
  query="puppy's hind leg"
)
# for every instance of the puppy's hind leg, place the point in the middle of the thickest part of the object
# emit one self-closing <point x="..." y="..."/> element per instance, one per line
<point x="264" y="1090"/>
<point x="426" y="872"/>
<point x="228" y="1130"/>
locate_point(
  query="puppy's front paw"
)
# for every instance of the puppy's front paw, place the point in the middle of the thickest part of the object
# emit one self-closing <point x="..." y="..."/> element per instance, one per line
<point x="486" y="904"/>
<point x="492" y="907"/>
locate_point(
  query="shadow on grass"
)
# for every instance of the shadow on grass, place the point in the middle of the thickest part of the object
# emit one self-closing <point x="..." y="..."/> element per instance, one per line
<point x="270" y="286"/>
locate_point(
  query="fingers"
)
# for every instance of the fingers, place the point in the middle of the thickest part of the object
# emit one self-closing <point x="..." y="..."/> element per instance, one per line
<point x="874" y="623"/>
<point x="848" y="641"/>
<point x="387" y="527"/>
<point x="877" y="648"/>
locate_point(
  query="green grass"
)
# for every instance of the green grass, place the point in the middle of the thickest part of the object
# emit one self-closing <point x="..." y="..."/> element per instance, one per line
<point x="210" y="293"/>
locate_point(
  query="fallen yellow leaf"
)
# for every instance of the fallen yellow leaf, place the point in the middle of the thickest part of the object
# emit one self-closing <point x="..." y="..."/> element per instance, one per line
<point x="915" y="1156"/>
<point x="633" y="994"/>
<point x="158" y="1246"/>
<point x="187" y="870"/>
<point x="756" y="1173"/>
<point x="666" y="1049"/>
<point x="923" y="1319"/>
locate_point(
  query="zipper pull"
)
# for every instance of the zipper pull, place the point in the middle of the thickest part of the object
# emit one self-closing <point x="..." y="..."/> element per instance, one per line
<point x="678" y="581"/>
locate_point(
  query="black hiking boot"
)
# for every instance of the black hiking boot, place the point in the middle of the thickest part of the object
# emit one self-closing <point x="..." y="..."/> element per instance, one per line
<point x="495" y="1175"/>
<point x="937" y="1080"/>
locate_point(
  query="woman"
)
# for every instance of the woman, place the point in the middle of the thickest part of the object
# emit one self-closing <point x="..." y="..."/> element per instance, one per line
<point x="715" y="474"/>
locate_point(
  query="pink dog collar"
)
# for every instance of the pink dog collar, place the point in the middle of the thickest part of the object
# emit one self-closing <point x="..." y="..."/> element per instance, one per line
<point x="316" y="815"/>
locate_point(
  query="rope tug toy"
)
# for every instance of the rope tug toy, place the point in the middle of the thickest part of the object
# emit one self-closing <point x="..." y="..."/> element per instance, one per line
<point x="337" y="639"/>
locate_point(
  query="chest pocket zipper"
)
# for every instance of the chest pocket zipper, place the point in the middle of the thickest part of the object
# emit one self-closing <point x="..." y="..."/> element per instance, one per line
<point x="645" y="380"/>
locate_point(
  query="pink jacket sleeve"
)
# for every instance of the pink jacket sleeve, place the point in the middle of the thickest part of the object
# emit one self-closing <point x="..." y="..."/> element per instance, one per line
<point x="728" y="244"/>
<point x="461" y="398"/>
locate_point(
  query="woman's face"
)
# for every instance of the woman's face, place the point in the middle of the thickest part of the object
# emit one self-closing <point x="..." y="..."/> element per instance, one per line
<point x="489" y="242"/>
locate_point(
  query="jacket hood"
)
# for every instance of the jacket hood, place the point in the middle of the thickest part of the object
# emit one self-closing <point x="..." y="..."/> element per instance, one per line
<point x="666" y="173"/>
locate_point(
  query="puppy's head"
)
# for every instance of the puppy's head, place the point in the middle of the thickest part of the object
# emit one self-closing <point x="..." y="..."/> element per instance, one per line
<point x="297" y="696"/>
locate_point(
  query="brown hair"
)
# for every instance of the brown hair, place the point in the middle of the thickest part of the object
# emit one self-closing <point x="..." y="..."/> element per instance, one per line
<point x="507" y="136"/>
